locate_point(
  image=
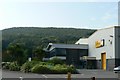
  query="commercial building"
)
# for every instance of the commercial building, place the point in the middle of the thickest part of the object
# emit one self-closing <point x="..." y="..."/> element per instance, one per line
<point x="104" y="44"/>
<point x="103" y="49"/>
<point x="70" y="53"/>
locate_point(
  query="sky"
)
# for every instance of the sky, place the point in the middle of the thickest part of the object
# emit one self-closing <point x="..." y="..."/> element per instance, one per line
<point x="92" y="14"/>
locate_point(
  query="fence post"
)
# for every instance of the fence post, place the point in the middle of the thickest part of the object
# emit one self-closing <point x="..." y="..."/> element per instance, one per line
<point x="21" y="78"/>
<point x="69" y="76"/>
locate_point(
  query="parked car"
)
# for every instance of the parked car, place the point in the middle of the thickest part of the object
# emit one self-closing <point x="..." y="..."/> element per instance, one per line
<point x="117" y="69"/>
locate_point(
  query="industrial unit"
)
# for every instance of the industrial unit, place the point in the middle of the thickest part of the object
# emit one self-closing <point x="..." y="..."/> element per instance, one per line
<point x="103" y="49"/>
<point x="104" y="44"/>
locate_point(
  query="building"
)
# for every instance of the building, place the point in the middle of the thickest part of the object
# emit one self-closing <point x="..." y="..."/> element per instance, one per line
<point x="82" y="41"/>
<point x="103" y="49"/>
<point x="70" y="53"/>
<point x="104" y="44"/>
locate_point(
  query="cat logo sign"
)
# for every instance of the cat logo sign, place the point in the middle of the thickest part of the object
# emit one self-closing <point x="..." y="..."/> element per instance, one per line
<point x="99" y="43"/>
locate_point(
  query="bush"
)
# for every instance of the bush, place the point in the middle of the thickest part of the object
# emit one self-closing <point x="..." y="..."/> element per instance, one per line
<point x="57" y="69"/>
<point x="40" y="69"/>
<point x="56" y="60"/>
<point x="14" y="66"/>
<point x="5" y="65"/>
<point x="64" y="69"/>
<point x="45" y="63"/>
<point x="26" y="67"/>
<point x="71" y="69"/>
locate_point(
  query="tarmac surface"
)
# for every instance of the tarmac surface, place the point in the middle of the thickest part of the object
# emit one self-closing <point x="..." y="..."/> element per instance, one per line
<point x="83" y="75"/>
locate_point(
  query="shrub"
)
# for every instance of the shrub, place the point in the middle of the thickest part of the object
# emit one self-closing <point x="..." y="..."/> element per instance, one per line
<point x="57" y="69"/>
<point x="64" y="69"/>
<point x="5" y="65"/>
<point x="71" y="69"/>
<point x="56" y="60"/>
<point x="14" y="66"/>
<point x="45" y="63"/>
<point x="26" y="67"/>
<point x="40" y="69"/>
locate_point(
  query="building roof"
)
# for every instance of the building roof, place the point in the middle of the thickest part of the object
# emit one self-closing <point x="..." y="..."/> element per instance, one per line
<point x="66" y="46"/>
<point x="85" y="40"/>
<point x="109" y="27"/>
<point x="82" y="41"/>
<point x="104" y="29"/>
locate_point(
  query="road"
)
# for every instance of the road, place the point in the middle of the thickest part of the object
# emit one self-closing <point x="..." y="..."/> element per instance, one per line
<point x="84" y="75"/>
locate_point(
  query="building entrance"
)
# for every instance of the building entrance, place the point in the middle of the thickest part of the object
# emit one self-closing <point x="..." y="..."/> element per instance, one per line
<point x="103" y="60"/>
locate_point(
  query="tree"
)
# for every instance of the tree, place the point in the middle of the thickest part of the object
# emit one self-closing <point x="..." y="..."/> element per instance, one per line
<point x="39" y="53"/>
<point x="17" y="52"/>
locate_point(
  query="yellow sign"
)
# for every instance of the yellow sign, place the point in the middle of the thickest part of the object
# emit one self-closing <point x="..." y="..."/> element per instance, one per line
<point x="99" y="43"/>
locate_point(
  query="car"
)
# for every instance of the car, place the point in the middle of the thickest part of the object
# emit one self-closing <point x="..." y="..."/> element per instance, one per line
<point x="117" y="69"/>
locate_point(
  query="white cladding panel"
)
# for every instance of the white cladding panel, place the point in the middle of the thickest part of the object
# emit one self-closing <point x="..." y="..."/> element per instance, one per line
<point x="108" y="36"/>
<point x="82" y="41"/>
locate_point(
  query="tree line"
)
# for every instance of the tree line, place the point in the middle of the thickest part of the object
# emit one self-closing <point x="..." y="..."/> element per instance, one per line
<point x="23" y="42"/>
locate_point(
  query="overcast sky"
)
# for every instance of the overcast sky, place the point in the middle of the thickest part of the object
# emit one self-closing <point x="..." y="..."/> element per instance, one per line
<point x="61" y="13"/>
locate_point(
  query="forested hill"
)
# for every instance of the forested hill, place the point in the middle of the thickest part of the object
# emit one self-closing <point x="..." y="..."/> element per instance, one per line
<point x="33" y="36"/>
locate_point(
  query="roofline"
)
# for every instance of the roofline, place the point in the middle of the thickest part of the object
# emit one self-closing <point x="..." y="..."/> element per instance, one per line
<point x="51" y="44"/>
<point x="66" y="44"/>
<point x="109" y="27"/>
<point x="104" y="29"/>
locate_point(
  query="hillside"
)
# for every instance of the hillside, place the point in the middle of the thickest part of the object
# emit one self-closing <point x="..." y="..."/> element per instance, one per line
<point x="42" y="36"/>
<point x="32" y="37"/>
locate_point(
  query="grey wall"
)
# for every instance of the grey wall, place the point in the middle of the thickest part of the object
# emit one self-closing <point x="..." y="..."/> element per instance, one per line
<point x="117" y="46"/>
<point x="60" y="52"/>
<point x="73" y="56"/>
<point x="110" y="64"/>
<point x="83" y="52"/>
<point x="106" y="34"/>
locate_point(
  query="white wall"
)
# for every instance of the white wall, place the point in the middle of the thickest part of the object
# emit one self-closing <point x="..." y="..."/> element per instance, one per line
<point x="106" y="34"/>
<point x="82" y="41"/>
